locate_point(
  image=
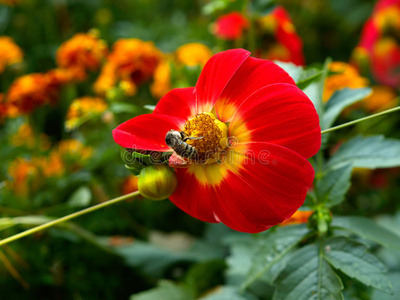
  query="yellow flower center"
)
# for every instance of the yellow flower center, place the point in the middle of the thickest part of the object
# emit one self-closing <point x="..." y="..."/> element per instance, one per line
<point x="213" y="135"/>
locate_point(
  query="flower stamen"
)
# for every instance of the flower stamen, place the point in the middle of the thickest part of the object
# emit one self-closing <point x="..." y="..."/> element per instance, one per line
<point x="213" y="133"/>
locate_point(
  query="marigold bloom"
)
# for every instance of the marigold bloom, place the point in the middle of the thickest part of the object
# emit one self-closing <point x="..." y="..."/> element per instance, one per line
<point x="131" y="63"/>
<point x="346" y="76"/>
<point x="81" y="53"/>
<point x="230" y="26"/>
<point x="379" y="46"/>
<point x="280" y="38"/>
<point x="10" y="53"/>
<point x="255" y="130"/>
<point x="193" y="54"/>
<point x="83" y="109"/>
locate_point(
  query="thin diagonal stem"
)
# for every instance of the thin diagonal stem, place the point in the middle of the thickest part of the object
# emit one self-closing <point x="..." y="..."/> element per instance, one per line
<point x="67" y="218"/>
<point x="361" y="120"/>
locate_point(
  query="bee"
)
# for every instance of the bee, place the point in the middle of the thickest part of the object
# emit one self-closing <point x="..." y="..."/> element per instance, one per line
<point x="177" y="141"/>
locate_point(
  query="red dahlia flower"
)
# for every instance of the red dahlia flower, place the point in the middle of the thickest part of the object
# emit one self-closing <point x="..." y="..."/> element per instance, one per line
<point x="379" y="46"/>
<point x="257" y="130"/>
<point x="230" y="26"/>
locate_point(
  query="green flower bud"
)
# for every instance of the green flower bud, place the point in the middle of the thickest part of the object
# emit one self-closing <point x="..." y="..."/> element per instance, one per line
<point x="157" y="182"/>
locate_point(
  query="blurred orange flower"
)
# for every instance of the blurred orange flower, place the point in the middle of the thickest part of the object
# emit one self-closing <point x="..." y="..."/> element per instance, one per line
<point x="130" y="185"/>
<point x="28" y="92"/>
<point x="81" y="53"/>
<point x="162" y="79"/>
<point x="131" y="63"/>
<point x="24" y="176"/>
<point x="10" y="2"/>
<point x="230" y="26"/>
<point x="382" y="97"/>
<point x="10" y="53"/>
<point x="83" y="109"/>
<point x="345" y="76"/>
<point x="300" y="216"/>
<point x="279" y="38"/>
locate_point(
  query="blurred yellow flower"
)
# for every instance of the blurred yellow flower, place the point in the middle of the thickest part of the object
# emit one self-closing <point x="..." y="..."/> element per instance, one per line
<point x="382" y="97"/>
<point x="193" y="54"/>
<point x="346" y="77"/>
<point x="25" y="137"/>
<point x="131" y="62"/>
<point x="81" y="53"/>
<point x="83" y="109"/>
<point x="10" y="53"/>
<point x="73" y="151"/>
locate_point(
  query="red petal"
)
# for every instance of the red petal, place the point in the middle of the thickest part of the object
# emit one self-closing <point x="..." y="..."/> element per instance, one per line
<point x="268" y="189"/>
<point x="247" y="195"/>
<point x="215" y="76"/>
<point x="146" y="132"/>
<point x="252" y="75"/>
<point x="280" y="114"/>
<point x="178" y="102"/>
<point x="193" y="197"/>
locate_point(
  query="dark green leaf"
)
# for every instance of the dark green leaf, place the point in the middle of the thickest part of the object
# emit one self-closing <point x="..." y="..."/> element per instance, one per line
<point x="352" y="258"/>
<point x="271" y="250"/>
<point x="307" y="277"/>
<point x="339" y="101"/>
<point x="368" y="152"/>
<point x="334" y="185"/>
<point x="368" y="229"/>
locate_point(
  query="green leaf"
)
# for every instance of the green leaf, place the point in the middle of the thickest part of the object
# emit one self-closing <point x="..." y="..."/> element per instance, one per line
<point x="368" y="152"/>
<point x="307" y="77"/>
<point x="334" y="185"/>
<point x="394" y="279"/>
<point x="368" y="229"/>
<point x="272" y="249"/>
<point x="352" y="258"/>
<point x="119" y="107"/>
<point x="307" y="277"/>
<point x="80" y="198"/>
<point x="166" y="290"/>
<point x="339" y="101"/>
<point x="228" y="293"/>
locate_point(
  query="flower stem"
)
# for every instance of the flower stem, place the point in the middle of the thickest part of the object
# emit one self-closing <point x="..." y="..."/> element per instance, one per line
<point x="361" y="119"/>
<point x="67" y="218"/>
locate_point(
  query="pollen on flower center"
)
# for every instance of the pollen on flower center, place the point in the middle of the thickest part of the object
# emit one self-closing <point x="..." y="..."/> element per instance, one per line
<point x="212" y="131"/>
